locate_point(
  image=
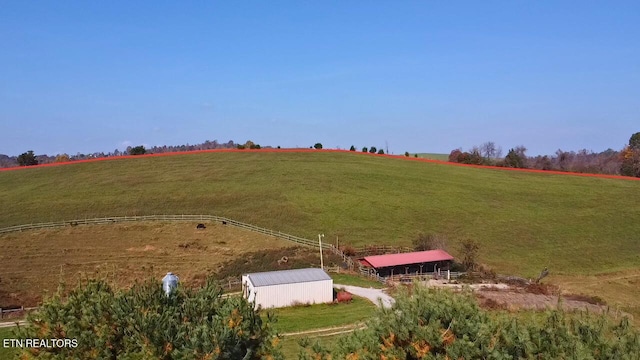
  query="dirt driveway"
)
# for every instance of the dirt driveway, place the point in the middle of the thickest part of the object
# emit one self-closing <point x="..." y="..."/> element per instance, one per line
<point x="374" y="295"/>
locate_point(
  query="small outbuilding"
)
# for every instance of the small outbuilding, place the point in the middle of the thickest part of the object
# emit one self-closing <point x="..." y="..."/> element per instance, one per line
<point x="288" y="287"/>
<point x="419" y="262"/>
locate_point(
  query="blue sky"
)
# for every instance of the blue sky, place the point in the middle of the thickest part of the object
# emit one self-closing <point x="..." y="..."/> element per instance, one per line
<point x="423" y="76"/>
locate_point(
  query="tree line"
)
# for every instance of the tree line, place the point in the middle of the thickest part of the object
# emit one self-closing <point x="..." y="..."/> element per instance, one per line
<point x="29" y="158"/>
<point x="624" y="162"/>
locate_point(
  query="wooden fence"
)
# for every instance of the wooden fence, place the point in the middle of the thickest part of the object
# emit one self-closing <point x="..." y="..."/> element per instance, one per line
<point x="116" y="219"/>
<point x="369" y="250"/>
<point x="7" y="313"/>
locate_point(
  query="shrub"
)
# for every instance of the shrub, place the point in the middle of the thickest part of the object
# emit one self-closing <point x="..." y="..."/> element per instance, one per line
<point x="454" y="156"/>
<point x="373" y="149"/>
<point x="349" y="250"/>
<point x="364" y="149"/>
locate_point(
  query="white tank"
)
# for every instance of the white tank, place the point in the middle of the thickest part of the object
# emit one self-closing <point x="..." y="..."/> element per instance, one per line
<point x="169" y="283"/>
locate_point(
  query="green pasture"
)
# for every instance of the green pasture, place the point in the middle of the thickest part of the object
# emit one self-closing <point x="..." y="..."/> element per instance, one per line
<point x="523" y="221"/>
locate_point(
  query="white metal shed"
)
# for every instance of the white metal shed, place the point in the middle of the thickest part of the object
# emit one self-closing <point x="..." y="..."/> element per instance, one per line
<point x="288" y="287"/>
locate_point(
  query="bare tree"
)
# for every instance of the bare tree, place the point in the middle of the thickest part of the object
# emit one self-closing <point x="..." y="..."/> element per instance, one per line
<point x="425" y="242"/>
<point x="499" y="152"/>
<point x="488" y="150"/>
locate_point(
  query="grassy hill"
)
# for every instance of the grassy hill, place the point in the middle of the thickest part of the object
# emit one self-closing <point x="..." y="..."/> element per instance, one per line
<point x="523" y="221"/>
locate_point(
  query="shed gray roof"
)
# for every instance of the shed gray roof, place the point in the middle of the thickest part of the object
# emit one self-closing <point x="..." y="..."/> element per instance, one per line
<point x="287" y="277"/>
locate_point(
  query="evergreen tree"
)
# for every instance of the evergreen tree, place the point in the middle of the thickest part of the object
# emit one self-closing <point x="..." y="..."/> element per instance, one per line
<point x="27" y="159"/>
<point x="144" y="323"/>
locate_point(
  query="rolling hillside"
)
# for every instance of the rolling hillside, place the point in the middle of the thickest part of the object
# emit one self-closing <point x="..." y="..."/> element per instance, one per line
<point x="524" y="221"/>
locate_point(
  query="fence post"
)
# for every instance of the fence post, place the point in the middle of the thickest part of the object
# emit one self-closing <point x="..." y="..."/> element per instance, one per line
<point x="0" y="313"/>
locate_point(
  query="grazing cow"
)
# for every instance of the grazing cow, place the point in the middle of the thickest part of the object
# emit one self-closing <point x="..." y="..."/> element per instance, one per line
<point x="201" y="226"/>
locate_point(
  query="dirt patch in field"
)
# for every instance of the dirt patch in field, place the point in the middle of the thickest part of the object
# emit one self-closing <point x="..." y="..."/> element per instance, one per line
<point x="516" y="300"/>
<point x="530" y="297"/>
<point x="145" y="248"/>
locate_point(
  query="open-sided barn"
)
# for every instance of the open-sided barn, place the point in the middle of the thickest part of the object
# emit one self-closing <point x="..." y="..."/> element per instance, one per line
<point x="419" y="262"/>
<point x="288" y="287"/>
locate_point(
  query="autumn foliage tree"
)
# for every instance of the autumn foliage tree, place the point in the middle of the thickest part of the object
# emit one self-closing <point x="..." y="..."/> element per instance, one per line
<point x="62" y="158"/>
<point x="630" y="157"/>
<point x="630" y="162"/>
<point x="143" y="323"/>
<point x="469" y="250"/>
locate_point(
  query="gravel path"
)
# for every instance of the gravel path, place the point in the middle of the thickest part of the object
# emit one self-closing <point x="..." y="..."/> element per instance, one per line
<point x="369" y="293"/>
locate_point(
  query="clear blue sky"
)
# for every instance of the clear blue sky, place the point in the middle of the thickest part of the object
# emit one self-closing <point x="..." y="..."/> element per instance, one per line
<point x="423" y="76"/>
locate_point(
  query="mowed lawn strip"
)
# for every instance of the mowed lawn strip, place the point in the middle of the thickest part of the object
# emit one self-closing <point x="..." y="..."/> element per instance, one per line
<point x="7" y="353"/>
<point x="302" y="318"/>
<point x="523" y="221"/>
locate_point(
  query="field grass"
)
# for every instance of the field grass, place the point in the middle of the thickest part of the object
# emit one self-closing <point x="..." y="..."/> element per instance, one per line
<point x="36" y="261"/>
<point x="301" y="318"/>
<point x="523" y="221"/>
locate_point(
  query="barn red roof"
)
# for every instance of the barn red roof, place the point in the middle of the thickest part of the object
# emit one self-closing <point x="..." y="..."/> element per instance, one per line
<point x="380" y="261"/>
